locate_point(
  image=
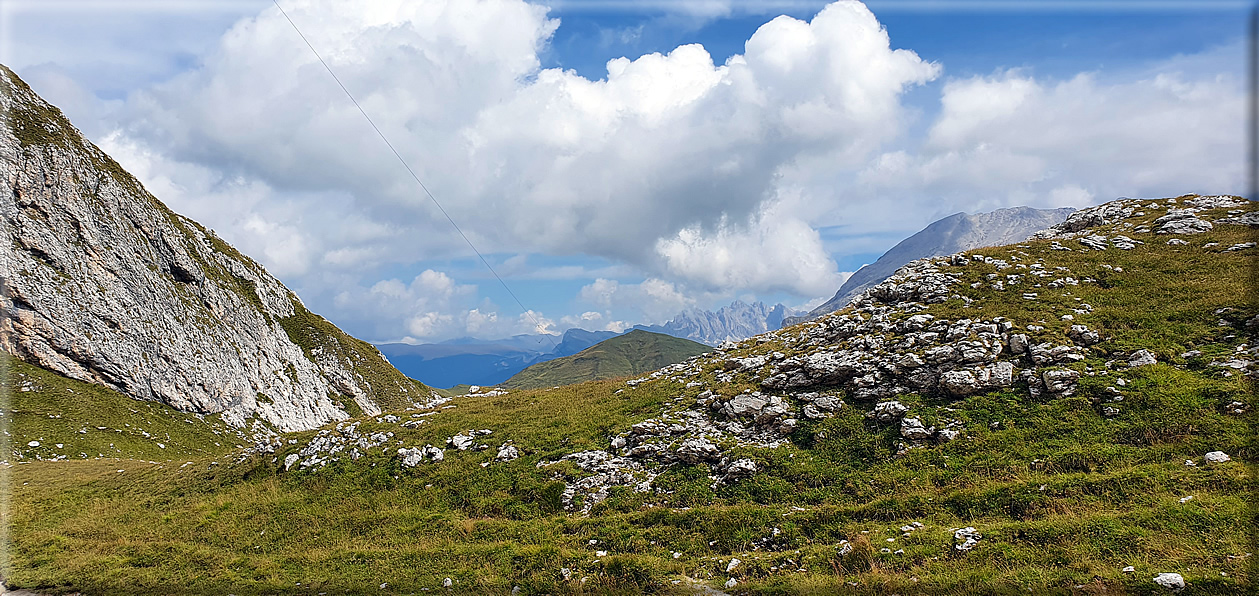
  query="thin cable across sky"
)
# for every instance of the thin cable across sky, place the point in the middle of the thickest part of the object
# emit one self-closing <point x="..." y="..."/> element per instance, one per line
<point x="526" y="311"/>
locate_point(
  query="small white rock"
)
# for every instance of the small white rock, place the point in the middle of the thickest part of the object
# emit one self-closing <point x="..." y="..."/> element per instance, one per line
<point x="1217" y="457"/>
<point x="1171" y="581"/>
<point x="734" y="563"/>
<point x="1129" y="569"/>
<point x="732" y="582"/>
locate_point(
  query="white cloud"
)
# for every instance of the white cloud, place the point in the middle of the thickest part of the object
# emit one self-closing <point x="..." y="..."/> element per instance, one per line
<point x="1022" y="139"/>
<point x="600" y="292"/>
<point x="706" y="179"/>
<point x="773" y="251"/>
<point x="427" y="325"/>
<point x="530" y="160"/>
<point x="652" y="301"/>
<point x="431" y="305"/>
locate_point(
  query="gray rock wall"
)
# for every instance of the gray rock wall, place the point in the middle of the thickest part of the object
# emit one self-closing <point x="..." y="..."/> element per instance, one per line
<point x="104" y="284"/>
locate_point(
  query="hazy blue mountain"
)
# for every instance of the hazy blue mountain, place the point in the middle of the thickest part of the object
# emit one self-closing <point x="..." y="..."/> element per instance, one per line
<point x="576" y="340"/>
<point x="472" y="361"/>
<point x="955" y="233"/>
<point x="737" y="321"/>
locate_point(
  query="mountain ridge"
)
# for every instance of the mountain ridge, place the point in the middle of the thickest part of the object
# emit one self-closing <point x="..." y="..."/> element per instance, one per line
<point x="955" y="233"/>
<point x="634" y="352"/>
<point x="105" y="284"/>
<point x="734" y="322"/>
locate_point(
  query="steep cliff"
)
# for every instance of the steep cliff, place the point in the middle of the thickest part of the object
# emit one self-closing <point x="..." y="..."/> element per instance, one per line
<point x="103" y="283"/>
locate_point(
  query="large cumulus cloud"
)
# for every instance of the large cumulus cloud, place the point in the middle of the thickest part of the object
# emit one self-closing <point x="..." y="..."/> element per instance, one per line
<point x="704" y="179"/>
<point x="664" y="158"/>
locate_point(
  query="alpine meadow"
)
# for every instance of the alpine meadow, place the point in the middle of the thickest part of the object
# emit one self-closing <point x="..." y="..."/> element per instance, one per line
<point x="1024" y="386"/>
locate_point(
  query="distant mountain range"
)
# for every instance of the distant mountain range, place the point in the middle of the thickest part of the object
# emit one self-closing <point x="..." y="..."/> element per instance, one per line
<point x="735" y="322"/>
<point x="473" y="361"/>
<point x="491" y="362"/>
<point x="955" y="233"/>
<point x="633" y="353"/>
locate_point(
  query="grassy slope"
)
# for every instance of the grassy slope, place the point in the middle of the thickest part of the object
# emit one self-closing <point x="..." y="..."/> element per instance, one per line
<point x="1062" y="496"/>
<point x="91" y="421"/>
<point x="633" y="353"/>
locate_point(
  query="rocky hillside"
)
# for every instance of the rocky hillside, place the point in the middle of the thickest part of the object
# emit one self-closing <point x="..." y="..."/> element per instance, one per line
<point x="104" y="284"/>
<point x="633" y="353"/>
<point x="1071" y="414"/>
<point x="955" y="233"/>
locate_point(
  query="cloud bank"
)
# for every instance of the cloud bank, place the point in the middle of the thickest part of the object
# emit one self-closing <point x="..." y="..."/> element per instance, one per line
<point x="704" y="179"/>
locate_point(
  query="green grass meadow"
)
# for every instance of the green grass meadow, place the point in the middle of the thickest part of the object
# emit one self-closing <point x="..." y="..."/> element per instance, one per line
<point x="1064" y="497"/>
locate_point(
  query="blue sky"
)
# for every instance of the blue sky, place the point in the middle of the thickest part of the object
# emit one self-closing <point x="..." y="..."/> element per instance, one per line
<point x="752" y="157"/>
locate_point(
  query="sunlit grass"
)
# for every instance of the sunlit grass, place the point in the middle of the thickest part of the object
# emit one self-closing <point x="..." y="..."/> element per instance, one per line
<point x="1064" y="497"/>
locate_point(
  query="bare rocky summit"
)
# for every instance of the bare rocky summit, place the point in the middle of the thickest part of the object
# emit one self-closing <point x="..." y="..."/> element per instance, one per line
<point x="103" y="283"/>
<point x="955" y="233"/>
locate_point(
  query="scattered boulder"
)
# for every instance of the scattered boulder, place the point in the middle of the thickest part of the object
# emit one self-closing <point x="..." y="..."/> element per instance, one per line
<point x="1217" y="457"/>
<point x="409" y="458"/>
<point x="1171" y="581"/>
<point x="739" y="468"/>
<point x="461" y="441"/>
<point x="959" y="382"/>
<point x="913" y="429"/>
<point x="1142" y="358"/>
<point x="696" y="450"/>
<point x="888" y="411"/>
<point x="507" y="452"/>
<point x="1182" y="221"/>
<point x="1061" y="382"/>
<point x="1083" y="335"/>
<point x="965" y="539"/>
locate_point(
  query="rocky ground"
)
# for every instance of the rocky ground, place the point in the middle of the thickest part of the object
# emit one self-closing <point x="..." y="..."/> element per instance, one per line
<point x="864" y="356"/>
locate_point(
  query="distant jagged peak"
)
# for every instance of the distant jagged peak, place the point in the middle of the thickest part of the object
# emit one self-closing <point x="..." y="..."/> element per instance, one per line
<point x="734" y="322"/>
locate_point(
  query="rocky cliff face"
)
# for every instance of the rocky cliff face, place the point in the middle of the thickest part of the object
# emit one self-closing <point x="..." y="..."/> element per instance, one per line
<point x="954" y="233"/>
<point x="104" y="284"/>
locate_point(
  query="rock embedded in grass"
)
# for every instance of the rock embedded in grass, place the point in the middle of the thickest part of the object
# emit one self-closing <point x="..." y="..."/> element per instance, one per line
<point x="1217" y="457"/>
<point x="1170" y="581"/>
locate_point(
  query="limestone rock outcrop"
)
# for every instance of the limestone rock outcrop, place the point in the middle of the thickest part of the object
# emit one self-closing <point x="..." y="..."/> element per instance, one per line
<point x="103" y="283"/>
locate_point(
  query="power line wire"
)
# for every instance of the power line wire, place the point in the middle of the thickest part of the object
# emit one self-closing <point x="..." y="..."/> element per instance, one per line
<point x="432" y="198"/>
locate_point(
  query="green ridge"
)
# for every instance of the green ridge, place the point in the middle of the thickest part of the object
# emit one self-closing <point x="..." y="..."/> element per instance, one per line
<point x="632" y="353"/>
